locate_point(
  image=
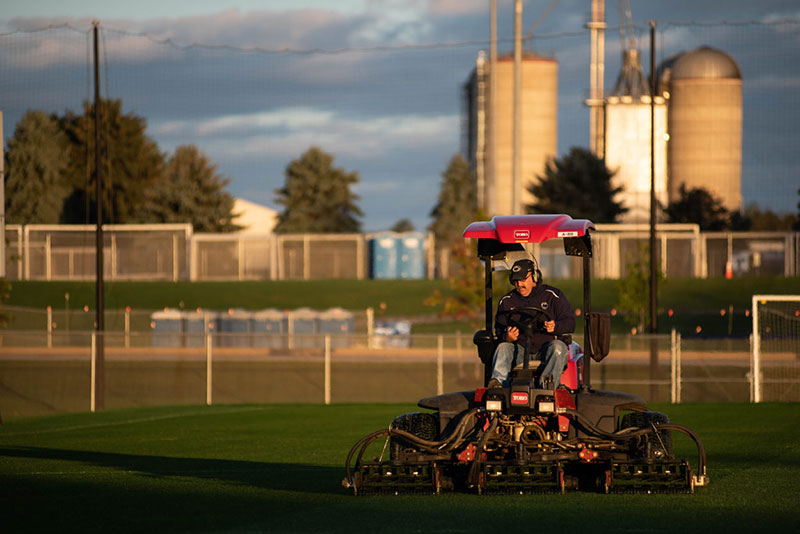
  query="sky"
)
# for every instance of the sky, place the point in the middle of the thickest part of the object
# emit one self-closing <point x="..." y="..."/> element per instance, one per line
<point x="376" y="83"/>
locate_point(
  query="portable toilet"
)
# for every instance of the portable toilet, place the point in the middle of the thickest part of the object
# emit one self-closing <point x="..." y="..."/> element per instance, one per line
<point x="383" y="256"/>
<point x="339" y="323"/>
<point x="167" y="328"/>
<point x="234" y="328"/>
<point x="196" y="324"/>
<point x="411" y="256"/>
<point x="303" y="327"/>
<point x="269" y="327"/>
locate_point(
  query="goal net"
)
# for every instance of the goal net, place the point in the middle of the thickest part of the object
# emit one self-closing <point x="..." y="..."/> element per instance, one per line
<point x="775" y="362"/>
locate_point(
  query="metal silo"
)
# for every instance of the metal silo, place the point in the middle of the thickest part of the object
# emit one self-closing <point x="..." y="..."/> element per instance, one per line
<point x="705" y="125"/>
<point x="538" y="129"/>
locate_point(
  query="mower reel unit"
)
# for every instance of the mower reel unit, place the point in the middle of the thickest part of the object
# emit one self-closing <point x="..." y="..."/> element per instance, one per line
<point x="522" y="438"/>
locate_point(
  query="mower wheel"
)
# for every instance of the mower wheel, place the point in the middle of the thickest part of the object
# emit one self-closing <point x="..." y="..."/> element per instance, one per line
<point x="657" y="445"/>
<point x="422" y="425"/>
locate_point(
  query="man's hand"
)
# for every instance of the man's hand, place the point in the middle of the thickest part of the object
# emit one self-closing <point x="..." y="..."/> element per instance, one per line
<point x="550" y="326"/>
<point x="512" y="334"/>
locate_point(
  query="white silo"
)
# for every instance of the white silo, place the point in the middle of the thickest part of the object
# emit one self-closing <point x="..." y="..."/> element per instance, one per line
<point x="705" y="125"/>
<point x="627" y="140"/>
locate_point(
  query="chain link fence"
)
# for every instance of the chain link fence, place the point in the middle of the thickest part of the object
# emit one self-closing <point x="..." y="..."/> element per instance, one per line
<point x="44" y="373"/>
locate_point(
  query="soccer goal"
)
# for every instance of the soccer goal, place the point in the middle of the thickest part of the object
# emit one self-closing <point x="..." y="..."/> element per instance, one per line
<point x="775" y="361"/>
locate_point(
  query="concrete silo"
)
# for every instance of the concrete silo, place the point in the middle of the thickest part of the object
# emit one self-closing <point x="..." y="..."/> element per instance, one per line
<point x="539" y="103"/>
<point x="705" y="125"/>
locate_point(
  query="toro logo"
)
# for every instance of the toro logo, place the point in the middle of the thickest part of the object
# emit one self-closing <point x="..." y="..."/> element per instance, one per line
<point x="522" y="235"/>
<point x="518" y="397"/>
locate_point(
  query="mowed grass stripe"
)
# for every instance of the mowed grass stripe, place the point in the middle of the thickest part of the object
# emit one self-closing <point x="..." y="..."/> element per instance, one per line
<point x="277" y="468"/>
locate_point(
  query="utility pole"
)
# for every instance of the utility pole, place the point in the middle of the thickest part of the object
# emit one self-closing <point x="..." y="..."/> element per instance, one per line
<point x="653" y="257"/>
<point x="99" y="300"/>
<point x="597" y="52"/>
<point x="516" y="194"/>
<point x="491" y="165"/>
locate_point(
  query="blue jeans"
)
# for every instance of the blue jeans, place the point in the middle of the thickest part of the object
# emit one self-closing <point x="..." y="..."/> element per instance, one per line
<point x="508" y="355"/>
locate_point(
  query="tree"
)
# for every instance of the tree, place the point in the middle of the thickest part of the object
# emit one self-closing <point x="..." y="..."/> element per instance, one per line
<point x="577" y="184"/>
<point x="317" y="197"/>
<point x="403" y="225"/>
<point x="35" y="170"/>
<point x="752" y="218"/>
<point x="132" y="163"/>
<point x="466" y="286"/>
<point x="190" y="190"/>
<point x="456" y="204"/>
<point x="698" y="206"/>
<point x="634" y="289"/>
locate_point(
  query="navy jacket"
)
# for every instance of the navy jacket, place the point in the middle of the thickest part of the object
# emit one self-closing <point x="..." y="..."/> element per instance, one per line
<point x="546" y="297"/>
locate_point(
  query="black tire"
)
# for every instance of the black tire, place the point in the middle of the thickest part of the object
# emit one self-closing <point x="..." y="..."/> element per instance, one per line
<point x="422" y="425"/>
<point x="654" y="445"/>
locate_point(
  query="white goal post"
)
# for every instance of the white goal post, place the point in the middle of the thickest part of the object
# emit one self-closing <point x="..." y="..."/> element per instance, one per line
<point x="775" y="361"/>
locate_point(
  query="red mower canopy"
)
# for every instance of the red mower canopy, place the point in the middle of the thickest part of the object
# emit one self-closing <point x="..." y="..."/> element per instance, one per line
<point x="528" y="228"/>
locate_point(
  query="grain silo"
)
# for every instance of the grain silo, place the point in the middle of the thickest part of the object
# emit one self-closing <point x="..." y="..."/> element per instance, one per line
<point x="705" y="125"/>
<point x="539" y="102"/>
<point x="628" y="139"/>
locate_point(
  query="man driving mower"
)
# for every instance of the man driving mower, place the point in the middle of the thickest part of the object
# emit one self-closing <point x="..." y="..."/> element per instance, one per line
<point x="532" y="315"/>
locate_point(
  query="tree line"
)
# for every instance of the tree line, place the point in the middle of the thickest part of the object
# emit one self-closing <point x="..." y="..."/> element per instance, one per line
<point x="50" y="178"/>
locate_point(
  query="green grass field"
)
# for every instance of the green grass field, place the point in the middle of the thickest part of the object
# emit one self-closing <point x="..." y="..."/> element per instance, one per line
<point x="696" y="302"/>
<point x="278" y="468"/>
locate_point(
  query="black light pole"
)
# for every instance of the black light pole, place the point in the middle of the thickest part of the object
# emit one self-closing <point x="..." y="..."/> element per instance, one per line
<point x="653" y="272"/>
<point x="99" y="328"/>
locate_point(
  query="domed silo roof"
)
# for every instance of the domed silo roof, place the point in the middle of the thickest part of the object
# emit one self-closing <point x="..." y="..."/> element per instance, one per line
<point x="704" y="62"/>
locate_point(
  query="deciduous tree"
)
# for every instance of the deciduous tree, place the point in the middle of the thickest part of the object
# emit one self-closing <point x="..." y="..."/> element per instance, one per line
<point x="578" y="184"/>
<point x="697" y="205"/>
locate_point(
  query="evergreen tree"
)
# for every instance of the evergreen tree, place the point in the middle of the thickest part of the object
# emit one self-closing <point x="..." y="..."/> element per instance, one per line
<point x="132" y="163"/>
<point x="697" y="205"/>
<point x="190" y="190"/>
<point x="35" y="186"/>
<point x="317" y="197"/>
<point x="403" y="225"/>
<point x="579" y="184"/>
<point x="456" y="204"/>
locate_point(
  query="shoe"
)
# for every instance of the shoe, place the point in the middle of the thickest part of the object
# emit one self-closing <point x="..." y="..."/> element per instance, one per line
<point x="495" y="383"/>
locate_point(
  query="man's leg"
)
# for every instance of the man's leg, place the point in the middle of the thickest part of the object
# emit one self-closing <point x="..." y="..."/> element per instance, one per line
<point x="553" y="355"/>
<point x="505" y="357"/>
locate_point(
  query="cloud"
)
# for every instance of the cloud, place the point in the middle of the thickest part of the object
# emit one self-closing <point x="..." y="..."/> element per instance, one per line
<point x="292" y="130"/>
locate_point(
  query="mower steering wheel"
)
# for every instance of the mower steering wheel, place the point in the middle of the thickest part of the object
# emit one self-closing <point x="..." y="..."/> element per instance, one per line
<point x="529" y="316"/>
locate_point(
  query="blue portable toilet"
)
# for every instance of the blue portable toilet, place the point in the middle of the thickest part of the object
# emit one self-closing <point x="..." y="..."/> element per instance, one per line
<point x="196" y="324"/>
<point x="339" y="323"/>
<point x="383" y="256"/>
<point x="167" y="328"/>
<point x="269" y="328"/>
<point x="234" y="328"/>
<point x="303" y="328"/>
<point x="411" y="256"/>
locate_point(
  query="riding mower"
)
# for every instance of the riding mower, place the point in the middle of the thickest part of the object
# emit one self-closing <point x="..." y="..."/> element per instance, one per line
<point x="529" y="437"/>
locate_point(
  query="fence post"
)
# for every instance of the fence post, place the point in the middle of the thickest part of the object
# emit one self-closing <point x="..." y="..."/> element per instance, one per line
<point x="370" y="327"/>
<point x="93" y="373"/>
<point x="755" y="360"/>
<point x="679" y="359"/>
<point x="127" y="327"/>
<point x="327" y="369"/>
<point x="49" y="327"/>
<point x="673" y="369"/>
<point x="209" y="361"/>
<point x="440" y="365"/>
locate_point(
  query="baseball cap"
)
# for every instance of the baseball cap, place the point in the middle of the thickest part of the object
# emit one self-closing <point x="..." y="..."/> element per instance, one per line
<point x="520" y="270"/>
